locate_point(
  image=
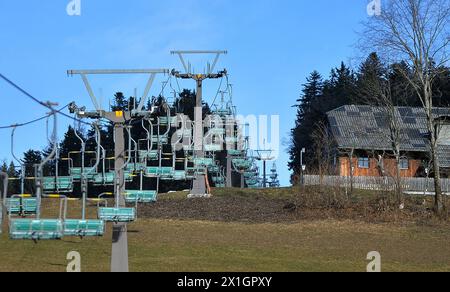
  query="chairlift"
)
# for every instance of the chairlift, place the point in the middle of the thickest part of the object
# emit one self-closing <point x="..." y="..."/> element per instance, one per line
<point x="87" y="227"/>
<point x="39" y="229"/>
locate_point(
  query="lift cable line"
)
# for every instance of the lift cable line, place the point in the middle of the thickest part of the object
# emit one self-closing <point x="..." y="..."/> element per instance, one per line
<point x="44" y="104"/>
<point x="32" y="121"/>
<point x="219" y="89"/>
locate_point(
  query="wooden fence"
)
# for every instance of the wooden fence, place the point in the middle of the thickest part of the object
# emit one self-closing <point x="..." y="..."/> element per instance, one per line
<point x="422" y="185"/>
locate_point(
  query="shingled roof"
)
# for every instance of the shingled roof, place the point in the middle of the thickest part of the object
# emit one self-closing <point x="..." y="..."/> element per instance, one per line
<point x="367" y="128"/>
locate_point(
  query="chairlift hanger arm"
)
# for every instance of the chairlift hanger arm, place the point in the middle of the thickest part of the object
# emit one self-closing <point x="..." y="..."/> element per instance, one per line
<point x="177" y="74"/>
<point x="210" y="67"/>
<point x="85" y="73"/>
<point x="117" y="71"/>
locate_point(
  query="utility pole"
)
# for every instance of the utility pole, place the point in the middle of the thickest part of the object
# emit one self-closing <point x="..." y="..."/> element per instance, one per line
<point x="199" y="182"/>
<point x="265" y="155"/>
<point x="119" y="252"/>
<point x="302" y="166"/>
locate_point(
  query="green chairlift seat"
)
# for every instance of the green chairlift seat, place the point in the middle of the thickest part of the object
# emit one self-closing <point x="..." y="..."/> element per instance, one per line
<point x="164" y="121"/>
<point x="117" y="215"/>
<point x="203" y="162"/>
<point x="242" y="163"/>
<point x="214" y="169"/>
<point x="151" y="155"/>
<point x="36" y="229"/>
<point x="166" y="173"/>
<point x="249" y="174"/>
<point x="106" y="179"/>
<point x="99" y="179"/>
<point x="184" y="133"/>
<point x="235" y="152"/>
<point x="128" y="176"/>
<point x="192" y="171"/>
<point x="29" y="206"/>
<point x="109" y="177"/>
<point x="216" y="131"/>
<point x="152" y="171"/>
<point x="135" y="167"/>
<point x="179" y="175"/>
<point x="84" y="228"/>
<point x="21" y="206"/>
<point x="133" y="196"/>
<point x="160" y="139"/>
<point x="62" y="184"/>
<point x="75" y="173"/>
<point x="213" y="147"/>
<point x="218" y="179"/>
<point x="252" y="182"/>
<point x="231" y="140"/>
<point x="14" y="206"/>
<point x="223" y="112"/>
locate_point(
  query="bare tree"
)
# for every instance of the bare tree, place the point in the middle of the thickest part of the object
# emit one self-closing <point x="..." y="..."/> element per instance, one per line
<point x="349" y="153"/>
<point x="323" y="145"/>
<point x="378" y="92"/>
<point x="416" y="31"/>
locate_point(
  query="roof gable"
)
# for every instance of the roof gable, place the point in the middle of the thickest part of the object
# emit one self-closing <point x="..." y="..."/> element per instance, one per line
<point x="367" y="128"/>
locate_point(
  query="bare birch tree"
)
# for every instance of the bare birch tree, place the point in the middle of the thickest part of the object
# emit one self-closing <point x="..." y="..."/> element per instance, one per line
<point x="416" y="31"/>
<point x="378" y="93"/>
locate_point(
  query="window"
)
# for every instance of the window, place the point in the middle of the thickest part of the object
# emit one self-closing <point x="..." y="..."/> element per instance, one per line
<point x="364" y="162"/>
<point x="404" y="164"/>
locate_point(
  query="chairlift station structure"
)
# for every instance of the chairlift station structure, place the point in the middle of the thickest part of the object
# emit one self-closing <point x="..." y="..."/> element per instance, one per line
<point x="142" y="159"/>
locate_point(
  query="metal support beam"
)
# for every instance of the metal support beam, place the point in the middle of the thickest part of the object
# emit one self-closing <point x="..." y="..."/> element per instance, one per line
<point x="198" y="52"/>
<point x="146" y="91"/>
<point x="199" y="184"/>
<point x="119" y="253"/>
<point x="90" y="92"/>
<point x="85" y="73"/>
<point x="229" y="172"/>
<point x="210" y="68"/>
<point x="186" y="69"/>
<point x="118" y="71"/>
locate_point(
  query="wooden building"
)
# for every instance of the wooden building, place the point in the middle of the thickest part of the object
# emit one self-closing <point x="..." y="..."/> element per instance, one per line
<point x="364" y="145"/>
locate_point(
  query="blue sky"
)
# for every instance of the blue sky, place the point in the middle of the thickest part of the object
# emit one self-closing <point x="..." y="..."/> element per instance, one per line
<point x="273" y="45"/>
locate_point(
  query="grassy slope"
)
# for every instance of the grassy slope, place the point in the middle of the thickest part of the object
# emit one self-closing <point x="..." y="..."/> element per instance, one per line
<point x="157" y="245"/>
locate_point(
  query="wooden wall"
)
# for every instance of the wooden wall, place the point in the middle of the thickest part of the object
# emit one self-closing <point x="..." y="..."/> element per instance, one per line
<point x="389" y="165"/>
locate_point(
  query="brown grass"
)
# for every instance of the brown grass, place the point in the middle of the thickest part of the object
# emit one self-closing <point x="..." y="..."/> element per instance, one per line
<point x="204" y="242"/>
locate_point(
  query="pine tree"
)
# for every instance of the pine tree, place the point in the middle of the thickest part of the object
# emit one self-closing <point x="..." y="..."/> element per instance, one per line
<point x="185" y="103"/>
<point x="340" y="89"/>
<point x="442" y="88"/>
<point x="307" y="115"/>
<point x="4" y="167"/>
<point x="14" y="185"/>
<point x="372" y="73"/>
<point x="120" y="102"/>
<point x="30" y="159"/>
<point x="402" y="92"/>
